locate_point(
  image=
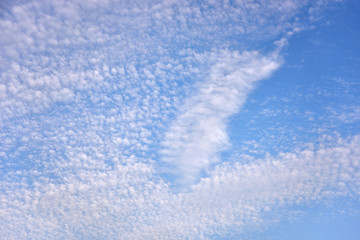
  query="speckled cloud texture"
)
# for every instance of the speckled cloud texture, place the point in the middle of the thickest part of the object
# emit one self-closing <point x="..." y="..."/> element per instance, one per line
<point x="113" y="115"/>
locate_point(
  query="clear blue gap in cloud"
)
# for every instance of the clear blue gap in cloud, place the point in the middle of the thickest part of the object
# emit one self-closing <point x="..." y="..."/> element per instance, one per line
<point x="299" y="102"/>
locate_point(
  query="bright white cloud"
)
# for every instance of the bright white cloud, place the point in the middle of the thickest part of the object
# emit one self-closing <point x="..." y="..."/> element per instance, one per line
<point x="199" y="132"/>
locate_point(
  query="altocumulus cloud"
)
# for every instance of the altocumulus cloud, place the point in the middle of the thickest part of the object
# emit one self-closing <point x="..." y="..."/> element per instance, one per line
<point x="99" y="99"/>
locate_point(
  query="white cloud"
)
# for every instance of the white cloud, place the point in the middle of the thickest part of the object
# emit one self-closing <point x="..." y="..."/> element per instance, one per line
<point x="106" y="79"/>
<point x="49" y="46"/>
<point x="130" y="201"/>
<point x="198" y="133"/>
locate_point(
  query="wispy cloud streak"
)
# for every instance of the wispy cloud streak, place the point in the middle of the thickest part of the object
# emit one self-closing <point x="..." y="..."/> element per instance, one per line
<point x="199" y="133"/>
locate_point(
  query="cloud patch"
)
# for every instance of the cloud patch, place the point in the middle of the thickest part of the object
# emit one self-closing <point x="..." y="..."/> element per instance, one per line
<point x="199" y="132"/>
<point x="91" y="92"/>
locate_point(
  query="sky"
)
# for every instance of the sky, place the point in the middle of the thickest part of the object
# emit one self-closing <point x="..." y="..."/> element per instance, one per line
<point x="170" y="119"/>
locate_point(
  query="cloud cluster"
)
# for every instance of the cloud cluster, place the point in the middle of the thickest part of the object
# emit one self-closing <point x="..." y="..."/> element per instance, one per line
<point x="131" y="201"/>
<point x="99" y="98"/>
<point x="53" y="50"/>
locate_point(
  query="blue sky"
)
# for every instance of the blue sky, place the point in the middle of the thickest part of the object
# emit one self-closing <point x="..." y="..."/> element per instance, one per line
<point x="180" y="119"/>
